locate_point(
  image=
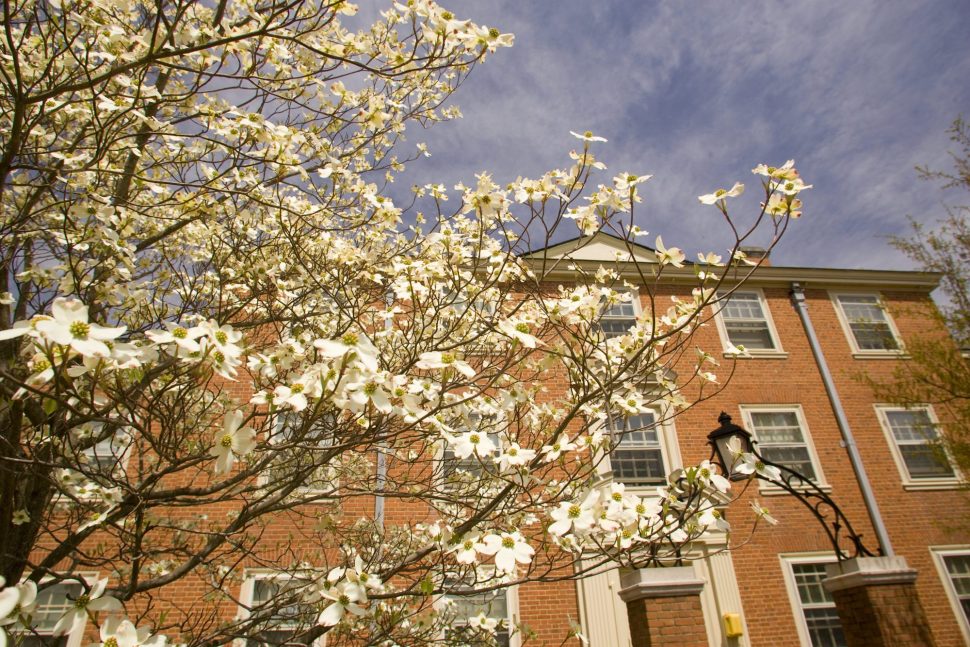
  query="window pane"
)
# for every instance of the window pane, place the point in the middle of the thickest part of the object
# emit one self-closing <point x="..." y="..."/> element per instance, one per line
<point x="743" y="305"/>
<point x="493" y="603"/>
<point x="464" y="636"/>
<point x="824" y="628"/>
<point x="958" y="568"/>
<point x="923" y="461"/>
<point x="639" y="421"/>
<point x="781" y="440"/>
<point x="777" y="426"/>
<point x="808" y="580"/>
<point x="638" y="458"/>
<point x="618" y="319"/>
<point x="638" y="466"/>
<point x="915" y="436"/>
<point x="273" y="638"/>
<point x="750" y="334"/>
<point x="616" y="327"/>
<point x="621" y="310"/>
<point x="868" y="322"/>
<point x="818" y="607"/>
<point x="874" y="336"/>
<point x="286" y="621"/>
<point x="862" y="308"/>
<point x="795" y="458"/>
<point x="745" y="321"/>
<point x="52" y="603"/>
<point x="912" y="425"/>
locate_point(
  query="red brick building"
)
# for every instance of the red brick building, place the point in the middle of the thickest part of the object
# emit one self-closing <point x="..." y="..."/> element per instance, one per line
<point x="766" y="590"/>
<point x="769" y="583"/>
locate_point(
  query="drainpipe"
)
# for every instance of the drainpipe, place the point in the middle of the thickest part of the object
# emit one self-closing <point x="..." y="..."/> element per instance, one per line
<point x="381" y="480"/>
<point x="798" y="300"/>
<point x="381" y="458"/>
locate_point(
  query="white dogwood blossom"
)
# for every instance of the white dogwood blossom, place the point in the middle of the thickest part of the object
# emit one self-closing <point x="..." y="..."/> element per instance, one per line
<point x="93" y="600"/>
<point x="229" y="348"/>
<point x="509" y="549"/>
<point x="234" y="441"/>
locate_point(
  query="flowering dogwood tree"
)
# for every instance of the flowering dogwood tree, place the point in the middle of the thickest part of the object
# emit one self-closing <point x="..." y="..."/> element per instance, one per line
<point x="223" y="346"/>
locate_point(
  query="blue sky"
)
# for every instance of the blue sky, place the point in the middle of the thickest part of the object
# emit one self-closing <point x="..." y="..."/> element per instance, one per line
<point x="857" y="92"/>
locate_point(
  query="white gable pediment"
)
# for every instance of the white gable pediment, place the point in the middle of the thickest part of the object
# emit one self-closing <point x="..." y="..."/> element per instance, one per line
<point x="599" y="247"/>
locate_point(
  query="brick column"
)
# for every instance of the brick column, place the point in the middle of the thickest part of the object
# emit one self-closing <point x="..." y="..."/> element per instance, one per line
<point x="664" y="607"/>
<point x="877" y="602"/>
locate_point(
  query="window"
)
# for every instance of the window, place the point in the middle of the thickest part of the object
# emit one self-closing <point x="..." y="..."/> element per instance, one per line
<point x="286" y="621"/>
<point x="480" y="306"/>
<point x="914" y="440"/>
<point x="746" y="322"/>
<point x="107" y="456"/>
<point x="53" y="601"/>
<point x="301" y="452"/>
<point x="472" y="464"/>
<point x="619" y="318"/>
<point x="782" y="438"/>
<point x="815" y="614"/>
<point x="954" y="566"/>
<point x="637" y="459"/>
<point x="497" y="605"/>
<point x="869" y="327"/>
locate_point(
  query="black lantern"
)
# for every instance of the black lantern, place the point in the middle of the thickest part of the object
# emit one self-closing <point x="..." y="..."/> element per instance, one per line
<point x="720" y="439"/>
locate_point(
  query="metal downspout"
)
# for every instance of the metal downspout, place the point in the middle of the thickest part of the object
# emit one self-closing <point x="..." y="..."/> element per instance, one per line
<point x="381" y="481"/>
<point x="381" y="457"/>
<point x="798" y="300"/>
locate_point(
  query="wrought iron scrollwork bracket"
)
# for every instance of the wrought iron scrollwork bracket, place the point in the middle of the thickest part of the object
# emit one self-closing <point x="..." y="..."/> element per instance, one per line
<point x="822" y="506"/>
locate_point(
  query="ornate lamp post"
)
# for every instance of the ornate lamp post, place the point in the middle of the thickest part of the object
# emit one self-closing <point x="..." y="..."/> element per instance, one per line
<point x="729" y="436"/>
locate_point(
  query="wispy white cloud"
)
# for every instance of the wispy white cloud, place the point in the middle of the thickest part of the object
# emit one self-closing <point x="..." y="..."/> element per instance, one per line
<point x="859" y="93"/>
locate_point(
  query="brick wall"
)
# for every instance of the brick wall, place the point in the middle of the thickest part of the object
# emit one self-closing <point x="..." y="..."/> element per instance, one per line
<point x="916" y="520"/>
<point x="884" y="615"/>
<point x="667" y="622"/>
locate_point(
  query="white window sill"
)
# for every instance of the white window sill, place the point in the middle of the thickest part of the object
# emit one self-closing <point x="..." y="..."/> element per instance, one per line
<point x="765" y="354"/>
<point x="643" y="491"/>
<point x="774" y="490"/>
<point x="880" y="354"/>
<point x="932" y="484"/>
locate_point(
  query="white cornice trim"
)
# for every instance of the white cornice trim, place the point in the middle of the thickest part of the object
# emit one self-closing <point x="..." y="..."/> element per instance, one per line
<point x="765" y="276"/>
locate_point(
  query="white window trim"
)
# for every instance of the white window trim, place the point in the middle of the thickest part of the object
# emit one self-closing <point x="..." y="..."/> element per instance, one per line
<point x="938" y="553"/>
<point x="787" y="559"/>
<point x="850" y="336"/>
<point x="246" y="591"/>
<point x="769" y="488"/>
<point x="909" y="483"/>
<point x="75" y="638"/>
<point x="778" y="352"/>
<point x="325" y="496"/>
<point x="669" y="452"/>
<point x="512" y="606"/>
